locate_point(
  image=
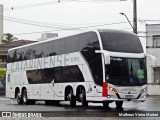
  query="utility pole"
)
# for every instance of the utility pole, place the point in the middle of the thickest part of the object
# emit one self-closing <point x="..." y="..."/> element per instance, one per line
<point x="135" y="16"/>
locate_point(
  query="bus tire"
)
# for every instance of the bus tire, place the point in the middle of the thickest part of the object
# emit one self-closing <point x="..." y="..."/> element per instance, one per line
<point x="24" y="97"/>
<point x="119" y="104"/>
<point x="82" y="97"/>
<point x="19" y="98"/>
<point x="71" y="98"/>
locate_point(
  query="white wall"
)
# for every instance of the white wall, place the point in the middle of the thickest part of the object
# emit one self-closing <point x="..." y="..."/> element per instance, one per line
<point x="155" y="52"/>
<point x="153" y="90"/>
<point x="151" y="29"/>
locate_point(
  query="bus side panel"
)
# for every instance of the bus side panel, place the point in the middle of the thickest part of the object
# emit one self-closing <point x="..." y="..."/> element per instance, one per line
<point x="36" y="91"/>
<point x="12" y="85"/>
<point x="8" y="86"/>
<point x="89" y="83"/>
<point x="58" y="90"/>
<point x="47" y="91"/>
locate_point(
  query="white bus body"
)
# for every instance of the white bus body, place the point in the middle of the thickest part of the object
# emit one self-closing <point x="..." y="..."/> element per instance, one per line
<point x="87" y="67"/>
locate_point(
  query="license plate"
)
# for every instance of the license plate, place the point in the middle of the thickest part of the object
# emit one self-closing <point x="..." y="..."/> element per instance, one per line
<point x="129" y="96"/>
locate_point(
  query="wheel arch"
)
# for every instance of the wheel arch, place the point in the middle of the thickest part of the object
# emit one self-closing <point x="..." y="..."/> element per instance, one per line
<point x="78" y="90"/>
<point x="24" y="88"/>
<point x="16" y="91"/>
<point x="68" y="87"/>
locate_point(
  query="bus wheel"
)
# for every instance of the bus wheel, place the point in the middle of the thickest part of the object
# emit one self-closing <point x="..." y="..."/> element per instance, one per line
<point x="19" y="98"/>
<point x="24" y="97"/>
<point x="82" y="97"/>
<point x="119" y="104"/>
<point x="106" y="104"/>
<point x="71" y="98"/>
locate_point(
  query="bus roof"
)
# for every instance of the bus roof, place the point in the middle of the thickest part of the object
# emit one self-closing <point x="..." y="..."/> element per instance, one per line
<point x="51" y="39"/>
<point x="95" y="30"/>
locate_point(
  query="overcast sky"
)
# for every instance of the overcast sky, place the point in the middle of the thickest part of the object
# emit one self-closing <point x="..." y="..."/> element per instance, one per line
<point x="29" y="18"/>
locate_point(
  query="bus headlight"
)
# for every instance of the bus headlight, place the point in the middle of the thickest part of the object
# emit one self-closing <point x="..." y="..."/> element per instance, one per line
<point x="113" y="90"/>
<point x="143" y="90"/>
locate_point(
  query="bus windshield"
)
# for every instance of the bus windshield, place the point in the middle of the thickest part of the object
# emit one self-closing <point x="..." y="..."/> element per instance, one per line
<point x="121" y="42"/>
<point x="126" y="71"/>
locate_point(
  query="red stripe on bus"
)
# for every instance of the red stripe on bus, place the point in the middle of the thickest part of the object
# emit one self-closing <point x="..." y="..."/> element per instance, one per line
<point x="104" y="89"/>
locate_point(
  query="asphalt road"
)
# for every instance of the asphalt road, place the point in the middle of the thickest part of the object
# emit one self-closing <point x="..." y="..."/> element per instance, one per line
<point x="130" y="109"/>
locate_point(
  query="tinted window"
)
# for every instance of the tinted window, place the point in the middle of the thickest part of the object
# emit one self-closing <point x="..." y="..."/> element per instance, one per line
<point x="117" y="41"/>
<point x="61" y="46"/>
<point x="72" y="74"/>
<point x="47" y="49"/>
<point x="10" y="56"/>
<point x="96" y="68"/>
<point x="71" y="44"/>
<point x="87" y="43"/>
<point x="58" y="74"/>
<point x="126" y="71"/>
<point x="75" y="74"/>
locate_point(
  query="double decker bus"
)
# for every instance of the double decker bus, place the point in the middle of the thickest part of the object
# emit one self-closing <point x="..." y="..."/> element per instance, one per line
<point x="100" y="66"/>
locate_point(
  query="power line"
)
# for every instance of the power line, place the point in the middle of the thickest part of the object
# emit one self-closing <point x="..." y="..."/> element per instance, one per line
<point x="40" y="24"/>
<point x="36" y="5"/>
<point x="50" y="3"/>
<point x="48" y="31"/>
<point x="74" y="28"/>
<point x="31" y="5"/>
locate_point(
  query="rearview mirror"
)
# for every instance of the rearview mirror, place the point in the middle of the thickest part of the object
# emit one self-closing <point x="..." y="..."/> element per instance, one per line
<point x="105" y="54"/>
<point x="107" y="58"/>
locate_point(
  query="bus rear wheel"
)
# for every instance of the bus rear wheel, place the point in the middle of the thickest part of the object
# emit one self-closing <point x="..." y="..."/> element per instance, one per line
<point x="119" y="104"/>
<point x="71" y="97"/>
<point x="19" y="98"/>
<point x="82" y="97"/>
<point x="25" y="98"/>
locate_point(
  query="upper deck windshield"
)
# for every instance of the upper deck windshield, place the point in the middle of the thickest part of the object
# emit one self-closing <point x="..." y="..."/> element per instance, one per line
<point x="120" y="41"/>
<point x="126" y="71"/>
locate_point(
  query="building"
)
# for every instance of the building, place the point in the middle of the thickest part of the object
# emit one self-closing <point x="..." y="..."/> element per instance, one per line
<point x="46" y="36"/>
<point x="153" y="64"/>
<point x="5" y="47"/>
<point x="1" y="21"/>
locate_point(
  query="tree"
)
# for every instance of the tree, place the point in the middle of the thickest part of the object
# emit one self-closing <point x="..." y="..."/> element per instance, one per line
<point x="2" y="73"/>
<point x="7" y="37"/>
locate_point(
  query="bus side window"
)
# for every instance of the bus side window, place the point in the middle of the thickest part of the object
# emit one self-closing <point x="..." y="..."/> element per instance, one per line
<point x="58" y="75"/>
<point x="97" y="72"/>
<point x="8" y="78"/>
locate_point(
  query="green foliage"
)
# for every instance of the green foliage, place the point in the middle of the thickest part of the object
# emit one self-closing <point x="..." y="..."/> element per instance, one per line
<point x="7" y="37"/>
<point x="2" y="73"/>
